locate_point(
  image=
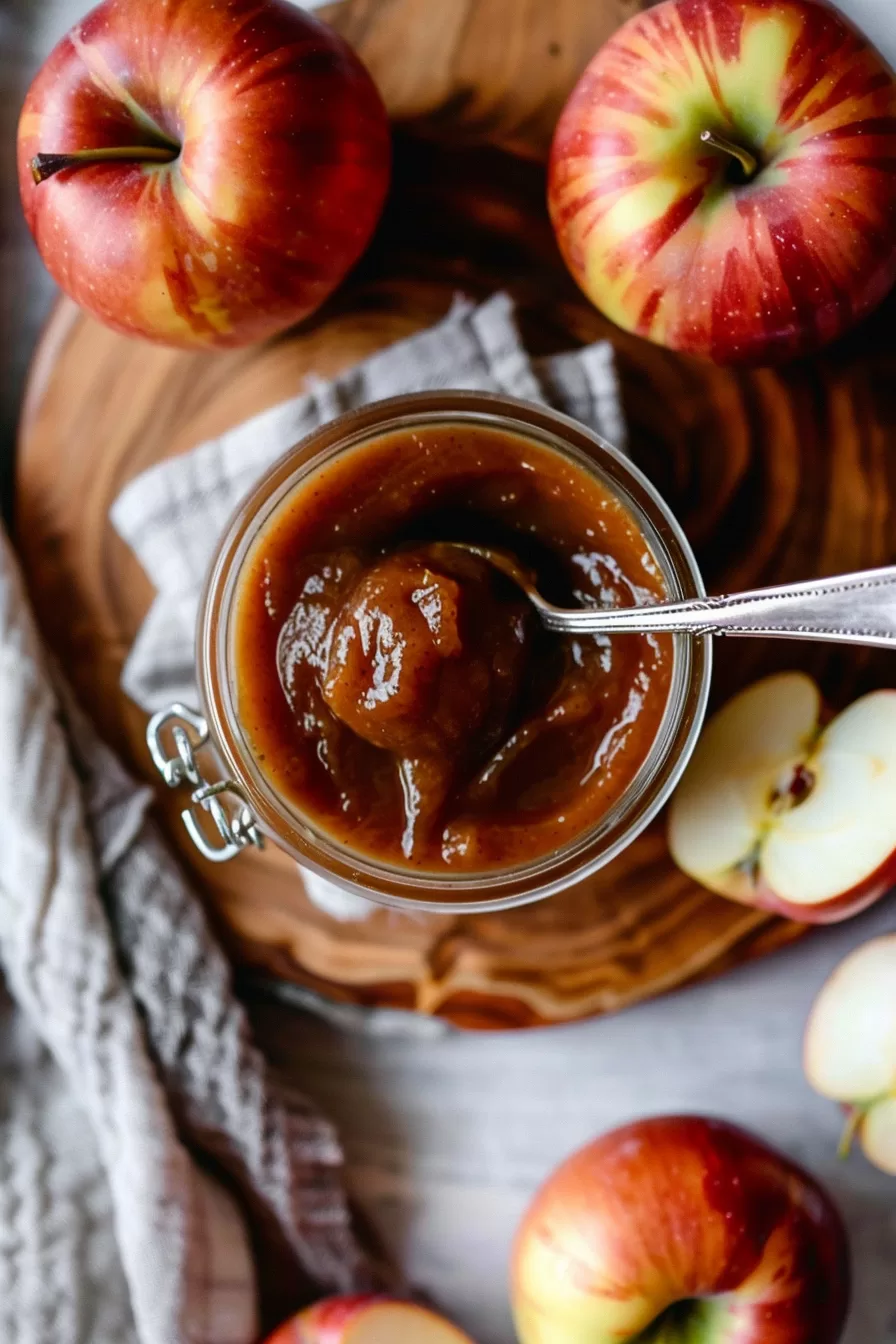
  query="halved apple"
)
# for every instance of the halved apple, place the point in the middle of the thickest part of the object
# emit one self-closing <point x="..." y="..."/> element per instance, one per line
<point x="849" y="1052"/>
<point x="777" y="811"/>
<point x="368" y="1320"/>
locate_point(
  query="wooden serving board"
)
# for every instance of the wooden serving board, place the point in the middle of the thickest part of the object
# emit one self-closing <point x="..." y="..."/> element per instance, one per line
<point x="775" y="475"/>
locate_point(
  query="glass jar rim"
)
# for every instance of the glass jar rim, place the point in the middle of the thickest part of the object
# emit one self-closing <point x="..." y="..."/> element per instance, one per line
<point x="492" y="889"/>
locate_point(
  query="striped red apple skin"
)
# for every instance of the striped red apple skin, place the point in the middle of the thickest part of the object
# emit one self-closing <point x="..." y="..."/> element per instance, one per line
<point x="326" y="1322"/>
<point x="368" y="1319"/>
<point x="280" y="161"/>
<point x="650" y="220"/>
<point x="680" y="1228"/>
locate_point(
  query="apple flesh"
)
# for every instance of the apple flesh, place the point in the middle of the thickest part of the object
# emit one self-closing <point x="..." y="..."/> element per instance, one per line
<point x="721" y="179"/>
<point x="202" y="174"/>
<point x="676" y="1230"/>
<point x="850" y="1047"/>
<point x="367" y="1320"/>
<point x="778" y="812"/>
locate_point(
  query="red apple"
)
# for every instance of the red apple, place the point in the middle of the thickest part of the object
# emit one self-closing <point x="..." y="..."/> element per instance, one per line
<point x="367" y="1320"/>
<point x="723" y="177"/>
<point x="202" y="174"/>
<point x="776" y="811"/>
<point x="850" y="1047"/>
<point x="680" y="1229"/>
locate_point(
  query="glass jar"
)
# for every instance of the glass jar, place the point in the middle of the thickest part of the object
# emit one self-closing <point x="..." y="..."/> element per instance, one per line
<point x="244" y="805"/>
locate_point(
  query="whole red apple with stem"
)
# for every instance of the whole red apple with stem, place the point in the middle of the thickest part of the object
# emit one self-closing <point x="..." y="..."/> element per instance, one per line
<point x="202" y="174"/>
<point x="367" y="1320"/>
<point x="723" y="177"/>
<point x="679" y="1230"/>
<point x="781" y="810"/>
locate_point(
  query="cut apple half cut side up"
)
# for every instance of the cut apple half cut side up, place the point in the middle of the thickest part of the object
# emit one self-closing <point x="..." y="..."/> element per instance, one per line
<point x="776" y="812"/>
<point x="849" y="1053"/>
<point x="723" y="806"/>
<point x="878" y="1135"/>
<point x="845" y="829"/>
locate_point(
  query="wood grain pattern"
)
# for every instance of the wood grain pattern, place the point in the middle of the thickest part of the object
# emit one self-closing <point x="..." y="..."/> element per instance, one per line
<point x="497" y="71"/>
<point x="776" y="476"/>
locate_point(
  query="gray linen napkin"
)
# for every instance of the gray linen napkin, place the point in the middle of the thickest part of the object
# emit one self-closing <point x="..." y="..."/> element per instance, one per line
<point x="145" y="1152"/>
<point x="474" y="348"/>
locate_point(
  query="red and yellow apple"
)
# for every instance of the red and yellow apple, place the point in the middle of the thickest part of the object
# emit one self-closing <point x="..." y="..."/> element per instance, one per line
<point x="680" y="1229"/>
<point x="367" y="1320"/>
<point x="850" y="1047"/>
<point x="723" y="177"/>
<point x="778" y="811"/>
<point x="202" y="174"/>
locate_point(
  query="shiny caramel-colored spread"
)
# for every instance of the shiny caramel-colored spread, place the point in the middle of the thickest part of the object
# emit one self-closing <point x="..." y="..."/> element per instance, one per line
<point x="401" y="693"/>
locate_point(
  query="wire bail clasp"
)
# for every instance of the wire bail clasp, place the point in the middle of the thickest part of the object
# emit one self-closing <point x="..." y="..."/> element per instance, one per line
<point x="224" y="800"/>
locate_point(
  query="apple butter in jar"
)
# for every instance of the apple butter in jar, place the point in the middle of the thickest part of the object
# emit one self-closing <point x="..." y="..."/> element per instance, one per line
<point x="396" y="714"/>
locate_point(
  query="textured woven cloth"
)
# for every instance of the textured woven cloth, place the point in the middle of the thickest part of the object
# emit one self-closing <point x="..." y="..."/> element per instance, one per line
<point x="147" y="1159"/>
<point x="156" y="1183"/>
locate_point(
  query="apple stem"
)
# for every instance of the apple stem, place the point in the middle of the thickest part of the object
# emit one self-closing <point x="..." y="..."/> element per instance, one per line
<point x="747" y="161"/>
<point x="47" y="165"/>
<point x="855" y="1116"/>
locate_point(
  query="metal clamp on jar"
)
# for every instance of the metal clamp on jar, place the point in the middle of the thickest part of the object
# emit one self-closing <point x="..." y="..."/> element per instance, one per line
<point x="224" y="800"/>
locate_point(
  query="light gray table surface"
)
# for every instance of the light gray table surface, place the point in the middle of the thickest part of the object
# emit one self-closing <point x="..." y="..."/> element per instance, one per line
<point x="448" y="1136"/>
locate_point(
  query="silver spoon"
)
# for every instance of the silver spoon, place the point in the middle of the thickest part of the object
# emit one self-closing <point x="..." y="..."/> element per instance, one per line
<point x="850" y="609"/>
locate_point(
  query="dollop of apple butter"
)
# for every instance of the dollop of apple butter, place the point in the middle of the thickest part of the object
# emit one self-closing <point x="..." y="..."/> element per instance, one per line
<point x="402" y="693"/>
<point x="422" y="653"/>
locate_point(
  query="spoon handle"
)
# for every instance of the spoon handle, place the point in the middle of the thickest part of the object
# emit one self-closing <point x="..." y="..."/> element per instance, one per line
<point x="850" y="609"/>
